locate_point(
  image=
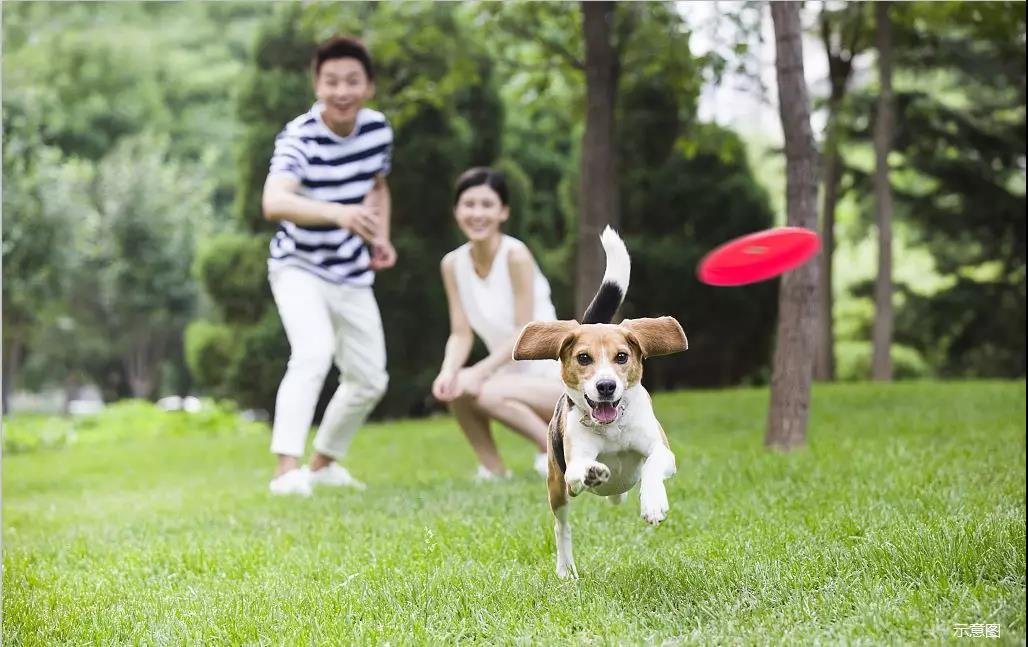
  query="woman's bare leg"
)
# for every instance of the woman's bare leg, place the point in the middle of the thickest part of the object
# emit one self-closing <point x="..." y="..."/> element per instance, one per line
<point x="475" y="425"/>
<point x="522" y="402"/>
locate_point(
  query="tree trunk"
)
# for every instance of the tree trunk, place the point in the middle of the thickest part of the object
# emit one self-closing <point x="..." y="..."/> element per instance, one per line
<point x="10" y="361"/>
<point x="840" y="68"/>
<point x="71" y="389"/>
<point x="797" y="298"/>
<point x="824" y="359"/>
<point x="597" y="204"/>
<point x="881" y="363"/>
<point x="142" y="362"/>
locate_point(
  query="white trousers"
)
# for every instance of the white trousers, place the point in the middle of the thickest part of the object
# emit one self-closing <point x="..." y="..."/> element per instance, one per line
<point x="326" y="321"/>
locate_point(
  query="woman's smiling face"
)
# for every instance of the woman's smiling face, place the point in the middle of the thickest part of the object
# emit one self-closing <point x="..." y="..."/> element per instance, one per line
<point x="479" y="212"/>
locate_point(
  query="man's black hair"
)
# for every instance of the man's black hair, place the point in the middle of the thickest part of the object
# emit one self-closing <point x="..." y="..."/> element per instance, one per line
<point x="342" y="47"/>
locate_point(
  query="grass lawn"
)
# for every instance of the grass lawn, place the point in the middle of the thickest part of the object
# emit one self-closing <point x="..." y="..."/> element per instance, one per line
<point x="903" y="518"/>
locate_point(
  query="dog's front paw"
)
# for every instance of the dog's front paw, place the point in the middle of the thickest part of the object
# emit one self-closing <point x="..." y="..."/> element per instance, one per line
<point x="654" y="505"/>
<point x="597" y="475"/>
<point x="588" y="475"/>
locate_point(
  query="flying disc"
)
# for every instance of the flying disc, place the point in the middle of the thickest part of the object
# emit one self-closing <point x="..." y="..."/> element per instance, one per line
<point x="758" y="256"/>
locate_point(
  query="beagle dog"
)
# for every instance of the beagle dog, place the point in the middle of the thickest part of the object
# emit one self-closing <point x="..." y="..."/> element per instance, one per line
<point x="604" y="437"/>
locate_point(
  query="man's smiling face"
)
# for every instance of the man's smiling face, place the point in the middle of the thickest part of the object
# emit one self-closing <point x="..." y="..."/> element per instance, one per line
<point x="342" y="86"/>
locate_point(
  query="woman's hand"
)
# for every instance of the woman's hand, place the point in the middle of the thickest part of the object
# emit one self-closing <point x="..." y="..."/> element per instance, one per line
<point x="470" y="380"/>
<point x="444" y="387"/>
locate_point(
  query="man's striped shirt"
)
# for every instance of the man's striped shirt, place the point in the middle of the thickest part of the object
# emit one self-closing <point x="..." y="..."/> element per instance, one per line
<point x="330" y="168"/>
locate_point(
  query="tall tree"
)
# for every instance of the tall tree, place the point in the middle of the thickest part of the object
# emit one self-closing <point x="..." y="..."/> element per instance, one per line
<point x="150" y="212"/>
<point x="881" y="361"/>
<point x="797" y="300"/>
<point x="598" y="195"/>
<point x="842" y="36"/>
<point x="959" y="138"/>
<point x="41" y="198"/>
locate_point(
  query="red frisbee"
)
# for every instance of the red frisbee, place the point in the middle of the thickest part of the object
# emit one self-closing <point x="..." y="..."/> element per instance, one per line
<point x="758" y="257"/>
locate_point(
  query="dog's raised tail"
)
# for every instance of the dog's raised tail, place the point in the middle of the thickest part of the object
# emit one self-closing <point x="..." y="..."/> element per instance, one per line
<point x="615" y="280"/>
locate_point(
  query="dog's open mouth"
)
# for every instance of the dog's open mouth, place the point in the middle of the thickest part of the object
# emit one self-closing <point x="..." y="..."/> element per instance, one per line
<point x="603" y="412"/>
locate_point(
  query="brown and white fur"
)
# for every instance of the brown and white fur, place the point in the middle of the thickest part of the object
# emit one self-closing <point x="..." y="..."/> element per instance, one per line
<point x="604" y="437"/>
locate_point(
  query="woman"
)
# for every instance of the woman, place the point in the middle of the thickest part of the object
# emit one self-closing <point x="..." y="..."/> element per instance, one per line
<point x="494" y="288"/>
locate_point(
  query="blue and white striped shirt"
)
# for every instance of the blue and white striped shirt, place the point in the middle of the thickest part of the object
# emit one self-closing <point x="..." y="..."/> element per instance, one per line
<point x="332" y="169"/>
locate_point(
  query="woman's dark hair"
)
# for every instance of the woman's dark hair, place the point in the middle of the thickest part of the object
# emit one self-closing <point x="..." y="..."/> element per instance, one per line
<point x="478" y="176"/>
<point x="342" y="47"/>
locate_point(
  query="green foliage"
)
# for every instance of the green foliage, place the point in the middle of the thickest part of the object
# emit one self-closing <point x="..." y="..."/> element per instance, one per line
<point x="42" y="194"/>
<point x="119" y="115"/>
<point x="149" y="213"/>
<point x="959" y="180"/>
<point x="275" y="88"/>
<point x="127" y="420"/>
<point x="905" y="516"/>
<point x="233" y="270"/>
<point x="244" y="361"/>
<point x="669" y="227"/>
<point x="853" y="362"/>
<point x="686" y="188"/>
<point x="252" y="377"/>
<point x="210" y="351"/>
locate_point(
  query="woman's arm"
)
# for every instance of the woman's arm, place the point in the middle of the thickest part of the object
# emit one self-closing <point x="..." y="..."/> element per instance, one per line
<point x="458" y="345"/>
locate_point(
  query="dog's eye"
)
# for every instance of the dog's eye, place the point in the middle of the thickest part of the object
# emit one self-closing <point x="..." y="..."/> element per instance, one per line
<point x="621" y="357"/>
<point x="584" y="359"/>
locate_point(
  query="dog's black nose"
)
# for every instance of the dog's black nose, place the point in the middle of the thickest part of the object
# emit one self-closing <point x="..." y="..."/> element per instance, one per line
<point x="606" y="388"/>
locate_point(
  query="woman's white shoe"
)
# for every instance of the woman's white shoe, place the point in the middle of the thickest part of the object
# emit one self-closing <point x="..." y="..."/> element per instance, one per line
<point x="542" y="464"/>
<point x="484" y="474"/>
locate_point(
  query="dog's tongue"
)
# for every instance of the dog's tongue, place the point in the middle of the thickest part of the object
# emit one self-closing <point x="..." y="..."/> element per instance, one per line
<point x="605" y="413"/>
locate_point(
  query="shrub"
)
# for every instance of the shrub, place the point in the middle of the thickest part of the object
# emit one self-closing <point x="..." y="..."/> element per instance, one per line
<point x="233" y="270"/>
<point x="260" y="362"/>
<point x="123" y="420"/>
<point x="853" y="362"/>
<point x="210" y="351"/>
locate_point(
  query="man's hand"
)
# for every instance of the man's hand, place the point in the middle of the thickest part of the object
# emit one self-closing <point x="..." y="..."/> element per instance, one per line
<point x="360" y="220"/>
<point x="383" y="255"/>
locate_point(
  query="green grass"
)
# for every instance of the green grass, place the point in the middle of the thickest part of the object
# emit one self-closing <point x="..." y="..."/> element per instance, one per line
<point x="904" y="517"/>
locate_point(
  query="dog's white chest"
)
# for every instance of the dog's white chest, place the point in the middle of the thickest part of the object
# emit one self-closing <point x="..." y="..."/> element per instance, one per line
<point x="625" y="467"/>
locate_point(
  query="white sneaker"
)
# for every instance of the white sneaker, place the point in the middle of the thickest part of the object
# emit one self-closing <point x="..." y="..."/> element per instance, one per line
<point x="484" y="474"/>
<point x="542" y="464"/>
<point x="335" y="475"/>
<point x="296" y="481"/>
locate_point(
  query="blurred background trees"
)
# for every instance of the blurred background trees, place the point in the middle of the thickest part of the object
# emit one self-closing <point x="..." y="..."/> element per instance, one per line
<point x="137" y="136"/>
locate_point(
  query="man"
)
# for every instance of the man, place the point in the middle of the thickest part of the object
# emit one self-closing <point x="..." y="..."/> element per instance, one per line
<point x="327" y="190"/>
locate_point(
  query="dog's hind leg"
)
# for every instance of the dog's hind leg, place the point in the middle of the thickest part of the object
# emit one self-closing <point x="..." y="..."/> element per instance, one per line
<point x="562" y="532"/>
<point x="617" y="499"/>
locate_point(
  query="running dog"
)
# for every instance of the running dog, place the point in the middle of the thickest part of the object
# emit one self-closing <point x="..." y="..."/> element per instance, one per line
<point x="603" y="436"/>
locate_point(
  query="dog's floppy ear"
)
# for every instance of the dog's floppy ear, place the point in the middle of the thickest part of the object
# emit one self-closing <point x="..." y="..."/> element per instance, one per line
<point x="660" y="336"/>
<point x="542" y="339"/>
